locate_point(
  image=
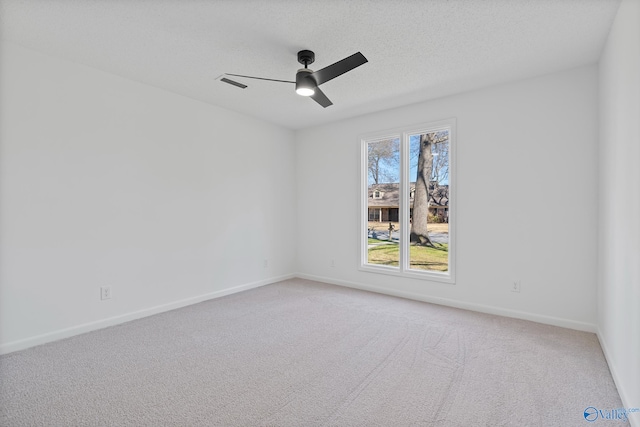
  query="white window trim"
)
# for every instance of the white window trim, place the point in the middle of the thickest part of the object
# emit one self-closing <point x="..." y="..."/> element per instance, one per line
<point x="403" y="134"/>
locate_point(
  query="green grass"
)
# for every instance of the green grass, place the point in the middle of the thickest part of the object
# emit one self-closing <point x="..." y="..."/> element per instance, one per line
<point x="374" y="241"/>
<point x="421" y="257"/>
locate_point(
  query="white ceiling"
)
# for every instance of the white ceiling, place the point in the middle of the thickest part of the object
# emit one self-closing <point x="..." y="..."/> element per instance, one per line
<point x="417" y="50"/>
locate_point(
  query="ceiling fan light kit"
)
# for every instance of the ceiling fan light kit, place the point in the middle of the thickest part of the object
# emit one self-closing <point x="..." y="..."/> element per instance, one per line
<point x="307" y="81"/>
<point x="305" y="84"/>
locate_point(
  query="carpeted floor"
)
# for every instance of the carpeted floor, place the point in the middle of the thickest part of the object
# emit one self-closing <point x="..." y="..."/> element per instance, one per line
<point x="301" y="353"/>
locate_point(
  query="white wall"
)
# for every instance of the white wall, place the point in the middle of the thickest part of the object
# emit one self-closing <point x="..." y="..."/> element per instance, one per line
<point x="619" y="219"/>
<point x="527" y="199"/>
<point x="105" y="181"/>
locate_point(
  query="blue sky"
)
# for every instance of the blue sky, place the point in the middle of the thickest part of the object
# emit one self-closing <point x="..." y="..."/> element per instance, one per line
<point x="393" y="171"/>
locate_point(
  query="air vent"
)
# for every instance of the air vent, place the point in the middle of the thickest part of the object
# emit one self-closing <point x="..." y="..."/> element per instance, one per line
<point x="231" y="82"/>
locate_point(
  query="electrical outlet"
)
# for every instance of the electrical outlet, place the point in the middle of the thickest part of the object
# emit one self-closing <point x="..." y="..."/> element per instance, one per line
<point x="265" y="264"/>
<point x="515" y="286"/>
<point x="332" y="263"/>
<point x="105" y="292"/>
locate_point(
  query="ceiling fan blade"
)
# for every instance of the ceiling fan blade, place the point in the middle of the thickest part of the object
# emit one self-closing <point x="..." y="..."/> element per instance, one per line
<point x="339" y="68"/>
<point x="321" y="98"/>
<point x="258" y="78"/>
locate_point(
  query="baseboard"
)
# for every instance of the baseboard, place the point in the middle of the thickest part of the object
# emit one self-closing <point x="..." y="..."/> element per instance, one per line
<point x="548" y="320"/>
<point x="103" y="323"/>
<point x="22" y="344"/>
<point x="634" y="418"/>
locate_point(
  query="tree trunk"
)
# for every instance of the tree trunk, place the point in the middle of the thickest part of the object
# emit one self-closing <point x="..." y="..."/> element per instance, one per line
<point x="419" y="233"/>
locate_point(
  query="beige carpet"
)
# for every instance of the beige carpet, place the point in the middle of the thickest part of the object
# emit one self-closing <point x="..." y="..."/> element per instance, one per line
<point x="301" y="353"/>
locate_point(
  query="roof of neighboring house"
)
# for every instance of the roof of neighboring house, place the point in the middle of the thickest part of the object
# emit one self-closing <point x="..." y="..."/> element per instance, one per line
<point x="390" y="195"/>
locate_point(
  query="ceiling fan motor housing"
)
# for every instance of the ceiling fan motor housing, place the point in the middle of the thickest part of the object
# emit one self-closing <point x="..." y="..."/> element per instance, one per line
<point x="304" y="80"/>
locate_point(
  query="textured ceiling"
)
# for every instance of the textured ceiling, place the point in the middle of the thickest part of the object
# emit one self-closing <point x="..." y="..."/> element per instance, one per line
<point x="417" y="50"/>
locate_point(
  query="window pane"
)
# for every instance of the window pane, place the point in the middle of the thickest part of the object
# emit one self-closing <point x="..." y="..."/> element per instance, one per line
<point x="428" y="196"/>
<point x="383" y="202"/>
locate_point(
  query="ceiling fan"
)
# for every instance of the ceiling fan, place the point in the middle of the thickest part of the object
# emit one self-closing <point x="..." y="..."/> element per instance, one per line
<point x="307" y="81"/>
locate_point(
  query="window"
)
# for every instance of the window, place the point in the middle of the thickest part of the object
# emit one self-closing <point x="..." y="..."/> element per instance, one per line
<point x="409" y="232"/>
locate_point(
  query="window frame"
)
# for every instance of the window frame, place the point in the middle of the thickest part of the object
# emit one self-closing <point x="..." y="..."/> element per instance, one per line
<point x="404" y="133"/>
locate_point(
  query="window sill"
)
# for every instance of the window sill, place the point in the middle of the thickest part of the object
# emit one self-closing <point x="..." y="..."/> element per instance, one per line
<point x="431" y="276"/>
